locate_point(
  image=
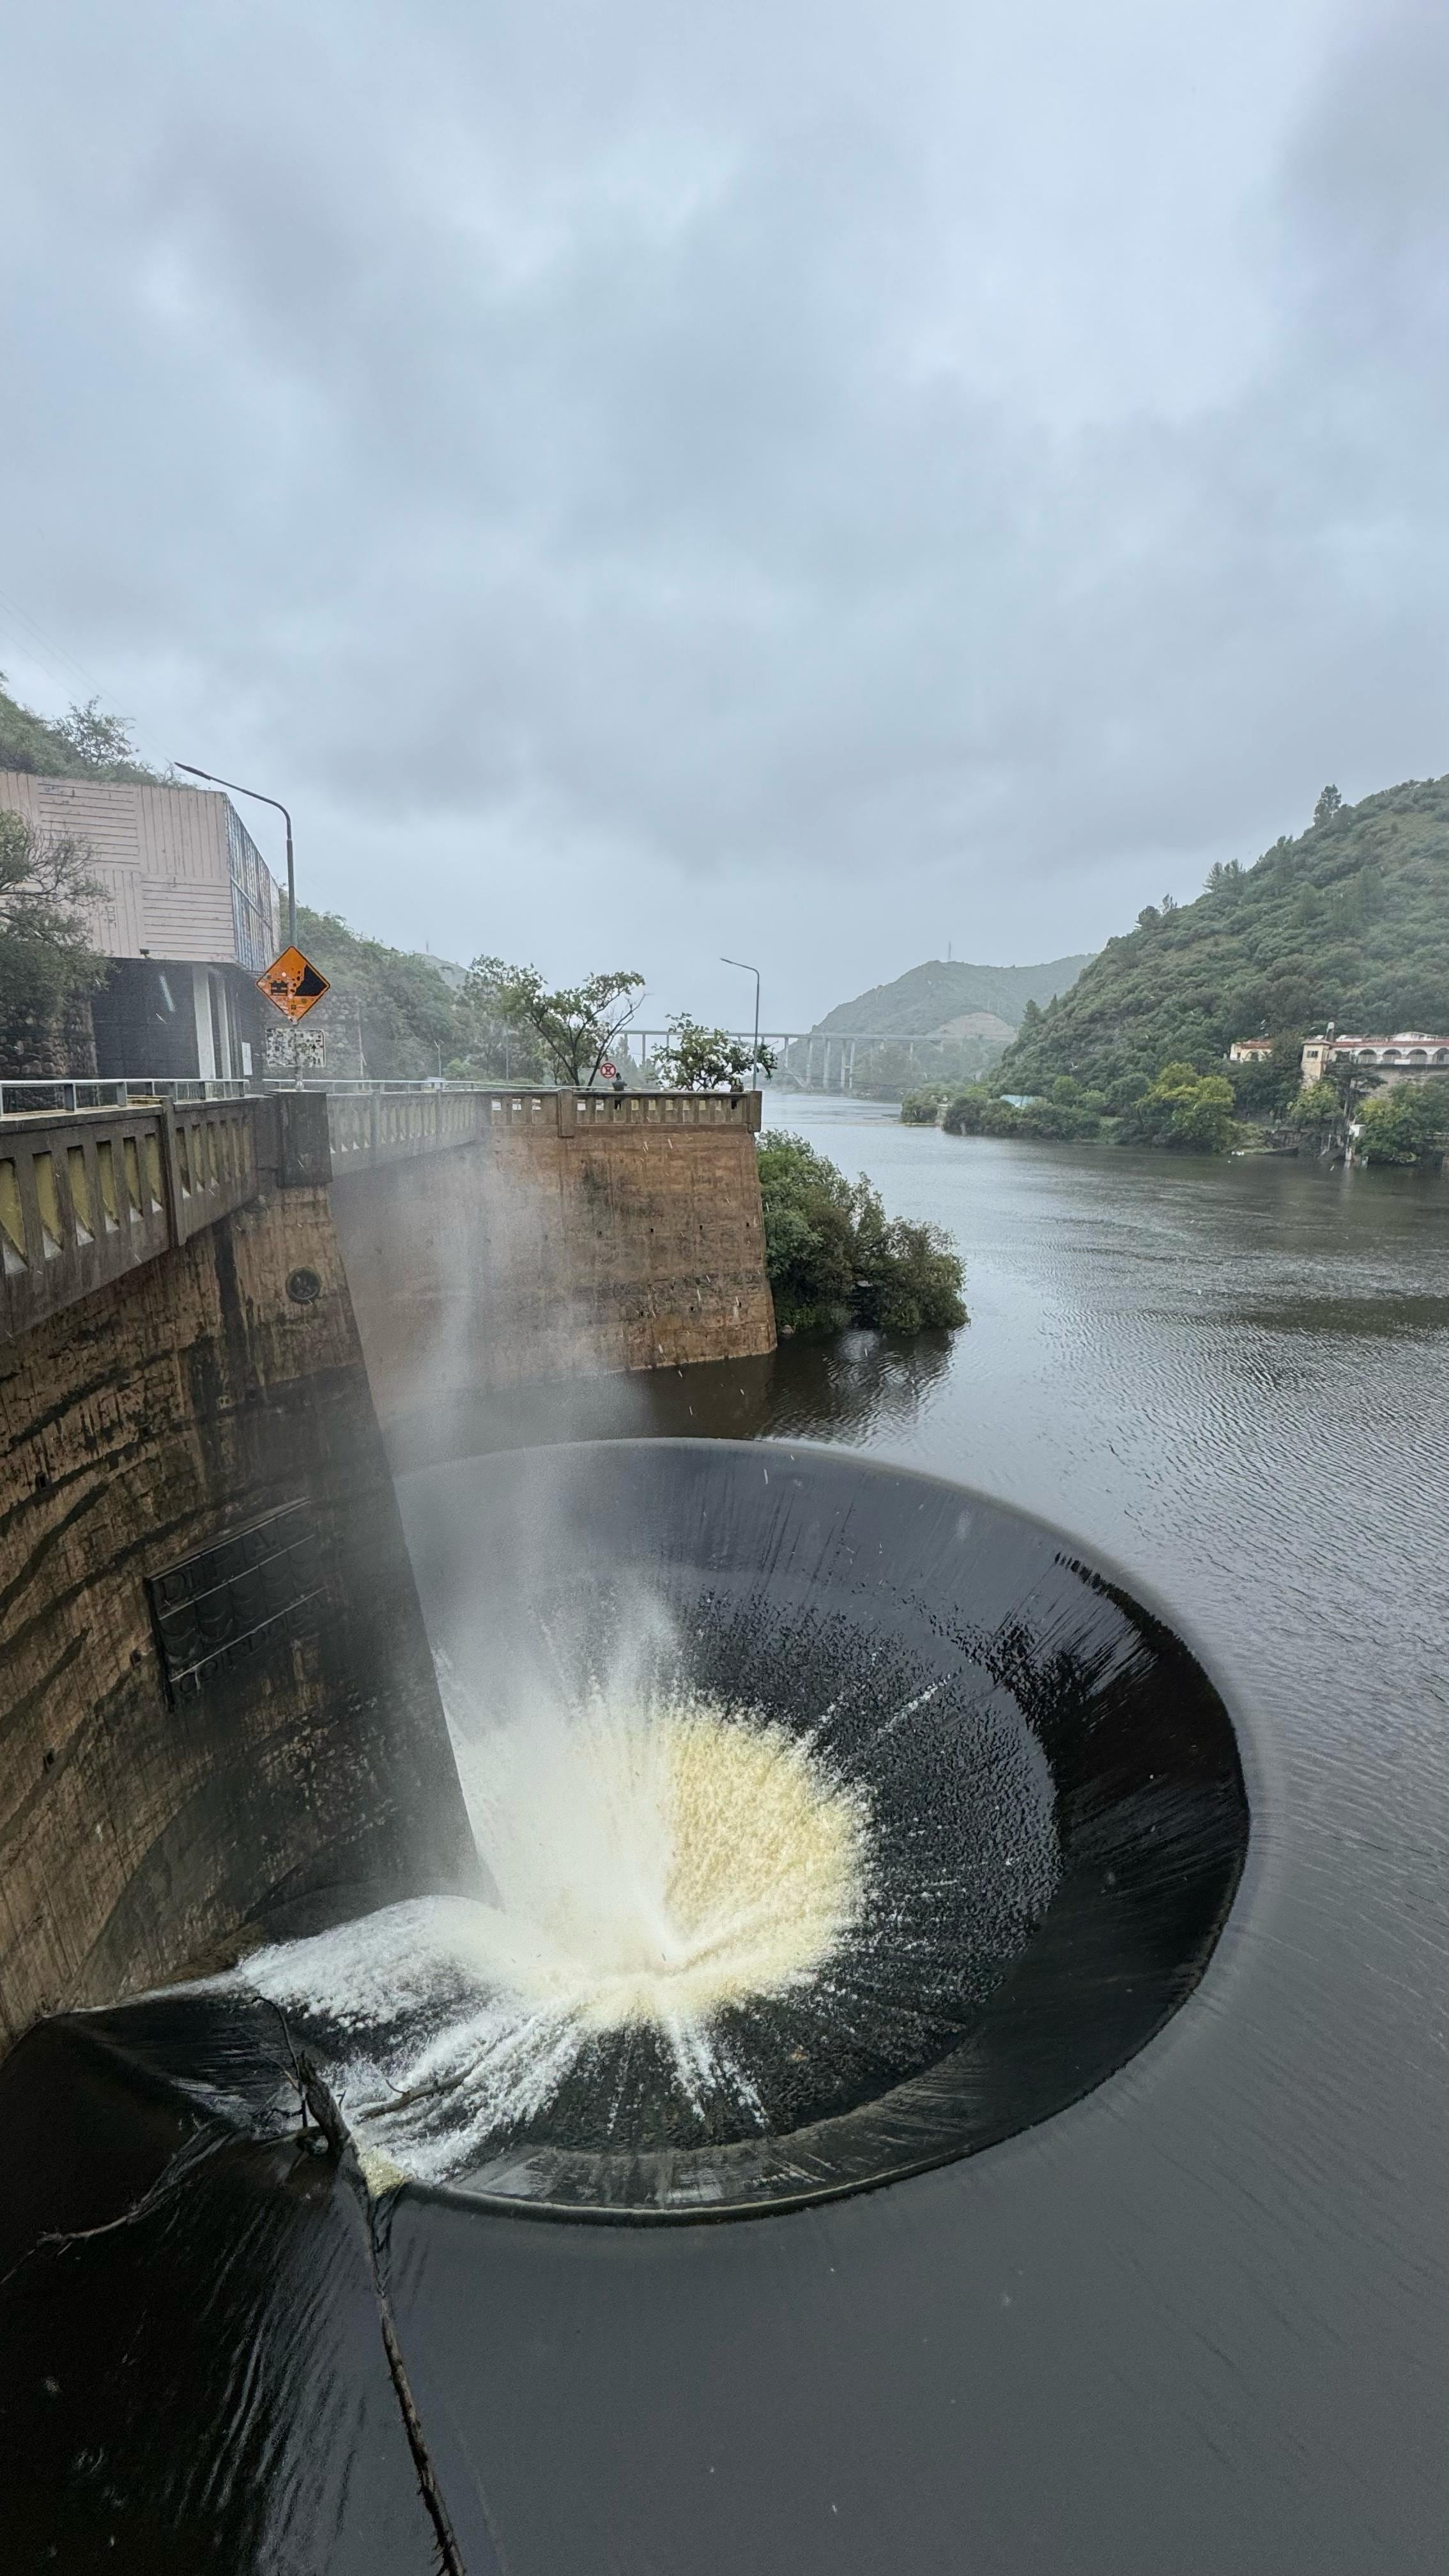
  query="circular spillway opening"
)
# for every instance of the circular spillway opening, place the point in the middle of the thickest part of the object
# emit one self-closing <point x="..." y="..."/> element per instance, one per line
<point x="832" y="1822"/>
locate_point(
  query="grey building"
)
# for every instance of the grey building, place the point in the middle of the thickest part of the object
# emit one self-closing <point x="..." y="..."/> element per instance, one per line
<point x="188" y="913"/>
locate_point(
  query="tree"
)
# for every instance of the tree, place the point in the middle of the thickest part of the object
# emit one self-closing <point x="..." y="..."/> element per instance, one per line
<point x="1264" y="1086"/>
<point x="1329" y="803"/>
<point x="85" y="744"/>
<point x="574" y="1027"/>
<point x="1327" y="1106"/>
<point x="1408" y="1124"/>
<point x="966" y="1114"/>
<point x="1318" y="1111"/>
<point x="46" y="961"/>
<point x="834" y="1257"/>
<point x="922" y="1108"/>
<point x="1187" y="1111"/>
<point x="101" y="741"/>
<point x="700" y="1059"/>
<point x="1223" y="875"/>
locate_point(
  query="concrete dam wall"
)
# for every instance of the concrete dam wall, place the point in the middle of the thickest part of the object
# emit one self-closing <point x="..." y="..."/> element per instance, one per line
<point x="217" y="1703"/>
<point x="588" y="1233"/>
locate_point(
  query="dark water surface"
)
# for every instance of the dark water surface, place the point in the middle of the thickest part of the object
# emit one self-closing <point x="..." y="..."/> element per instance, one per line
<point x="1194" y="2324"/>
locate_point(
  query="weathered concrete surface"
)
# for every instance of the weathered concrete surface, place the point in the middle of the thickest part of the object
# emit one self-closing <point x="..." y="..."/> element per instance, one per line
<point x="160" y="1413"/>
<point x="539" y="1254"/>
<point x="191" y="1396"/>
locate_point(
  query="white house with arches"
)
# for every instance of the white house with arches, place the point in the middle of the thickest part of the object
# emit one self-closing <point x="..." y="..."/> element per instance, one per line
<point x="1410" y="1055"/>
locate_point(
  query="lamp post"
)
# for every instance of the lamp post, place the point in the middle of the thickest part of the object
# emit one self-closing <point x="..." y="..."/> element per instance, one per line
<point x="256" y="794"/>
<point x="755" y="1058"/>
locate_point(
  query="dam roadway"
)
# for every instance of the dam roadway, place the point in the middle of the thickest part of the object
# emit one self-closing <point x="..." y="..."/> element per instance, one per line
<point x="219" y="1707"/>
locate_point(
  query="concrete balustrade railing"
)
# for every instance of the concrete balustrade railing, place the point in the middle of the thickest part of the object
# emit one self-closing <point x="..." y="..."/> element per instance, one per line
<point x="87" y="1196"/>
<point x="372" y="1127"/>
<point x="591" y="1109"/>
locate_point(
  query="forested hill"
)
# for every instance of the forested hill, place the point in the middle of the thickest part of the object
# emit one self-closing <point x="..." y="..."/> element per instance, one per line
<point x="1350" y="922"/>
<point x="941" y="991"/>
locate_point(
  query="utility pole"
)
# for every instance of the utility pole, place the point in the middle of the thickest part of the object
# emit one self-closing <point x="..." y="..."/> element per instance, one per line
<point x="755" y="1059"/>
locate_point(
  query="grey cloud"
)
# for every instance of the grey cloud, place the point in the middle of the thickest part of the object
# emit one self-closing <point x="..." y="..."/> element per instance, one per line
<point x="637" y="473"/>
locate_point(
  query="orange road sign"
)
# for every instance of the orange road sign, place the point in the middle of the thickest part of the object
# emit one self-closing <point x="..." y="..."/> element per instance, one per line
<point x="293" y="983"/>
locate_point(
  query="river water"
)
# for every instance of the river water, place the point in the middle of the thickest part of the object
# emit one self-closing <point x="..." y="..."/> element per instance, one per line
<point x="1194" y="2324"/>
<point x="1197" y="2324"/>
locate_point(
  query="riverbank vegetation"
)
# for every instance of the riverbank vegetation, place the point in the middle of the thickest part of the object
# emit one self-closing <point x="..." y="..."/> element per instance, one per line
<point x="923" y="1106"/>
<point x="1183" y="1110"/>
<point x="1407" y="1124"/>
<point x="834" y="1257"/>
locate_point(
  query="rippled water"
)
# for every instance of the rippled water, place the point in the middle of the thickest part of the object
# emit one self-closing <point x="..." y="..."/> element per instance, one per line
<point x="1199" y="2323"/>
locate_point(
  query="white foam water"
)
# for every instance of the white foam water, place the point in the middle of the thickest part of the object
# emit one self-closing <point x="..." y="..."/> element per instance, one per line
<point x="656" y="1862"/>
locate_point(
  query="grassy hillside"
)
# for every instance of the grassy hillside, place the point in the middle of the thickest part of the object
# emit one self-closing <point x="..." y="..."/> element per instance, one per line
<point x="85" y="745"/>
<point x="939" y="991"/>
<point x="1350" y="922"/>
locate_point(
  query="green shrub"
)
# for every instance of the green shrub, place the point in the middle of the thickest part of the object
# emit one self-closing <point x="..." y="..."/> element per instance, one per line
<point x="1318" y="1108"/>
<point x="979" y="1112"/>
<point x="919" y="1108"/>
<point x="1407" y="1124"/>
<point x="1187" y="1111"/>
<point x="1052" y="1120"/>
<point x="965" y="1114"/>
<point x="834" y="1257"/>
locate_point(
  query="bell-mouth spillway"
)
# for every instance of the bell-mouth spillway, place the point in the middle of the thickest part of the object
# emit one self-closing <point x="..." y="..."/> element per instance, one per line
<point x="834" y="1822"/>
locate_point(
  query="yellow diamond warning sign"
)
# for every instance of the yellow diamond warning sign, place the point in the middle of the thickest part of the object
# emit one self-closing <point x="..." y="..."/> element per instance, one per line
<point x="293" y="983"/>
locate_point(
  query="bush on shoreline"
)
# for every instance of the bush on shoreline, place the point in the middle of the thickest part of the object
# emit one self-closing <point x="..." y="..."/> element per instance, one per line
<point x="1183" y="1110"/>
<point x="922" y="1108"/>
<point x="1187" y="1111"/>
<point x="1407" y="1124"/>
<point x="835" y="1258"/>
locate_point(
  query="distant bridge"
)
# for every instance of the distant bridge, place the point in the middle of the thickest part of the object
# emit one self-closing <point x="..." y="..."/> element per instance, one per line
<point x="829" y="1059"/>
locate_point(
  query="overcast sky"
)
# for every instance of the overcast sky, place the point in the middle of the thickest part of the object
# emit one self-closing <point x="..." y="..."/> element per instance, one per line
<point x="814" y="482"/>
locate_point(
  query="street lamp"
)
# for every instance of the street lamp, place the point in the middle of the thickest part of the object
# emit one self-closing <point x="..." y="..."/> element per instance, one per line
<point x="256" y="794"/>
<point x="755" y="1058"/>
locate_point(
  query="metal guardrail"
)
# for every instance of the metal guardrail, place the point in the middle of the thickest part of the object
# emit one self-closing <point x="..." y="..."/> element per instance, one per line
<point x="89" y="1196"/>
<point x="107" y="1091"/>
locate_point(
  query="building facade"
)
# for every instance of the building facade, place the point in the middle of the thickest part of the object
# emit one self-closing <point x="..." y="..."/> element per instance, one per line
<point x="1410" y="1055"/>
<point x="188" y="913"/>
